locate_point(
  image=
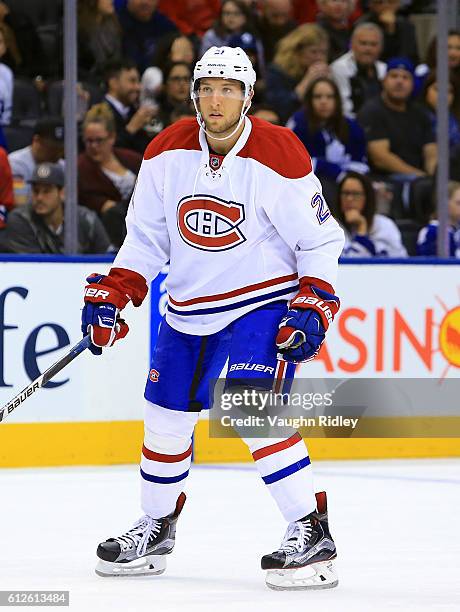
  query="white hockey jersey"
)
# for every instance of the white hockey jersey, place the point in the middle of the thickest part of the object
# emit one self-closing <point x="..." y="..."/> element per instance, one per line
<point x="237" y="236"/>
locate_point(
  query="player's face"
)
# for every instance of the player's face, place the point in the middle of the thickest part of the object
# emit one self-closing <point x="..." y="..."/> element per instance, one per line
<point x="366" y="46"/>
<point x="46" y="199"/>
<point x="352" y="195"/>
<point x="398" y="84"/>
<point x="323" y="100"/>
<point x="453" y="50"/>
<point x="220" y="102"/>
<point x="454" y="207"/>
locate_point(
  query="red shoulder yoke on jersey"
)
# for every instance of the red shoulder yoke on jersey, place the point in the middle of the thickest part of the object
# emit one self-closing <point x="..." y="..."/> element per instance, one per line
<point x="117" y="288"/>
<point x="319" y="295"/>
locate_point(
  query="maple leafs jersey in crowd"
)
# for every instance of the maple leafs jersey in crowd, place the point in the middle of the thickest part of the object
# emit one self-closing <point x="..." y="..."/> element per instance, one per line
<point x="238" y="232"/>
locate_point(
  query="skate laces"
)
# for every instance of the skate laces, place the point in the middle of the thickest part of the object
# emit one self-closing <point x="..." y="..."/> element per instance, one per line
<point x="297" y="536"/>
<point x="139" y="535"/>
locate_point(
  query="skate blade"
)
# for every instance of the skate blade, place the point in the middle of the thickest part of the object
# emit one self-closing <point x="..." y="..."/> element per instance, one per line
<point x="320" y="575"/>
<point x="151" y="565"/>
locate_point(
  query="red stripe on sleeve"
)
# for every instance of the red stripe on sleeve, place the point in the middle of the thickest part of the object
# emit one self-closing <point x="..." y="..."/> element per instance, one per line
<point x="148" y="454"/>
<point x="274" y="448"/>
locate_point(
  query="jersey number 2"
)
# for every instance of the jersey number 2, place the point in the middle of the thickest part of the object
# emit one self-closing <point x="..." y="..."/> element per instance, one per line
<point x="322" y="210"/>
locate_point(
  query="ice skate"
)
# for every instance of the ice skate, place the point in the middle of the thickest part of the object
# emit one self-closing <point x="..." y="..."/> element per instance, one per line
<point x="304" y="559"/>
<point x="142" y="549"/>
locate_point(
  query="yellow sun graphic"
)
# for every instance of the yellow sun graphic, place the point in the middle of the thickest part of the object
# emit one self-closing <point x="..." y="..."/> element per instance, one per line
<point x="449" y="337"/>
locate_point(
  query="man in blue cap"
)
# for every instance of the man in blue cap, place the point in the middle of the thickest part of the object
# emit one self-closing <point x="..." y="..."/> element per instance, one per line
<point x="401" y="143"/>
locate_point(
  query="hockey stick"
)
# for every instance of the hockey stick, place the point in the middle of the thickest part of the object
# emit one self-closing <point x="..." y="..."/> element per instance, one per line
<point x="45" y="377"/>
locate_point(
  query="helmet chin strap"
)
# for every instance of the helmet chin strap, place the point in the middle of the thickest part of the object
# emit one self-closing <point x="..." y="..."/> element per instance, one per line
<point x="202" y="124"/>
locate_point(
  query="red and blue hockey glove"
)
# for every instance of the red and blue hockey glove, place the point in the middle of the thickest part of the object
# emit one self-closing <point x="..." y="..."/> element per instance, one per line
<point x="105" y="296"/>
<point x="100" y="316"/>
<point x="303" y="329"/>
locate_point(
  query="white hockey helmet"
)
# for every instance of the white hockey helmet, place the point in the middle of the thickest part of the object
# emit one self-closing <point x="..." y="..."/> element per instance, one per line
<point x="224" y="63"/>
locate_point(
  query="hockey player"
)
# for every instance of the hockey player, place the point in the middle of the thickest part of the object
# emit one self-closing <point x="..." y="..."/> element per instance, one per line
<point x="233" y="204"/>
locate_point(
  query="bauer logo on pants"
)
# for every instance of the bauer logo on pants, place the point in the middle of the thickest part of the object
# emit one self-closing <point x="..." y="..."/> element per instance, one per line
<point x="209" y="223"/>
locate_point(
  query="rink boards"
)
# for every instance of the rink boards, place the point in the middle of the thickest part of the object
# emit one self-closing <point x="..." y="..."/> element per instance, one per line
<point x="396" y="320"/>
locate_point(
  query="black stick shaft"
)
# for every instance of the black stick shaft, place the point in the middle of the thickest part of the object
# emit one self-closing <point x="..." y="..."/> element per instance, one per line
<point x="44" y="378"/>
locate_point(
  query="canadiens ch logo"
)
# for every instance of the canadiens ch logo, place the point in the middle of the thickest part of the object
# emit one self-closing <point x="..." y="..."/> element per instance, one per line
<point x="209" y="223"/>
<point x="154" y="375"/>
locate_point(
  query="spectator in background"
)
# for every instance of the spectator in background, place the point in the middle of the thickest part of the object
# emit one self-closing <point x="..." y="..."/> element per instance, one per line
<point x="306" y="12"/>
<point x="398" y="32"/>
<point x="335" y="143"/>
<point x="143" y="26"/>
<point x="106" y="175"/>
<point x="254" y="50"/>
<point x="174" y="47"/>
<point x="427" y="240"/>
<point x="234" y="19"/>
<point x="400" y="138"/>
<point x="131" y="120"/>
<point x="47" y="146"/>
<point x="358" y="73"/>
<point x="367" y="233"/>
<point x="6" y="188"/>
<point x="39" y="227"/>
<point x="275" y="23"/>
<point x="333" y="18"/>
<point x="6" y="84"/>
<point x="99" y="38"/>
<point x="11" y="56"/>
<point x="453" y="55"/>
<point x="191" y="16"/>
<point x="430" y="101"/>
<point x="300" y="58"/>
<point x="265" y="112"/>
<point x="176" y="90"/>
<point x="25" y="49"/>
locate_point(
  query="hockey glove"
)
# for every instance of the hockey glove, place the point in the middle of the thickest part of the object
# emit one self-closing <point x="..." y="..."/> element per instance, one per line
<point x="303" y="329"/>
<point x="100" y="316"/>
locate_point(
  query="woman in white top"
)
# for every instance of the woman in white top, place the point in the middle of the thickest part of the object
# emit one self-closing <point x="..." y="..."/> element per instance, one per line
<point x="367" y="233"/>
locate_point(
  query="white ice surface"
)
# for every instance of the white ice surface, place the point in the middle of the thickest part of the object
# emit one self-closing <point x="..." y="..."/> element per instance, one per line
<point x="395" y="523"/>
